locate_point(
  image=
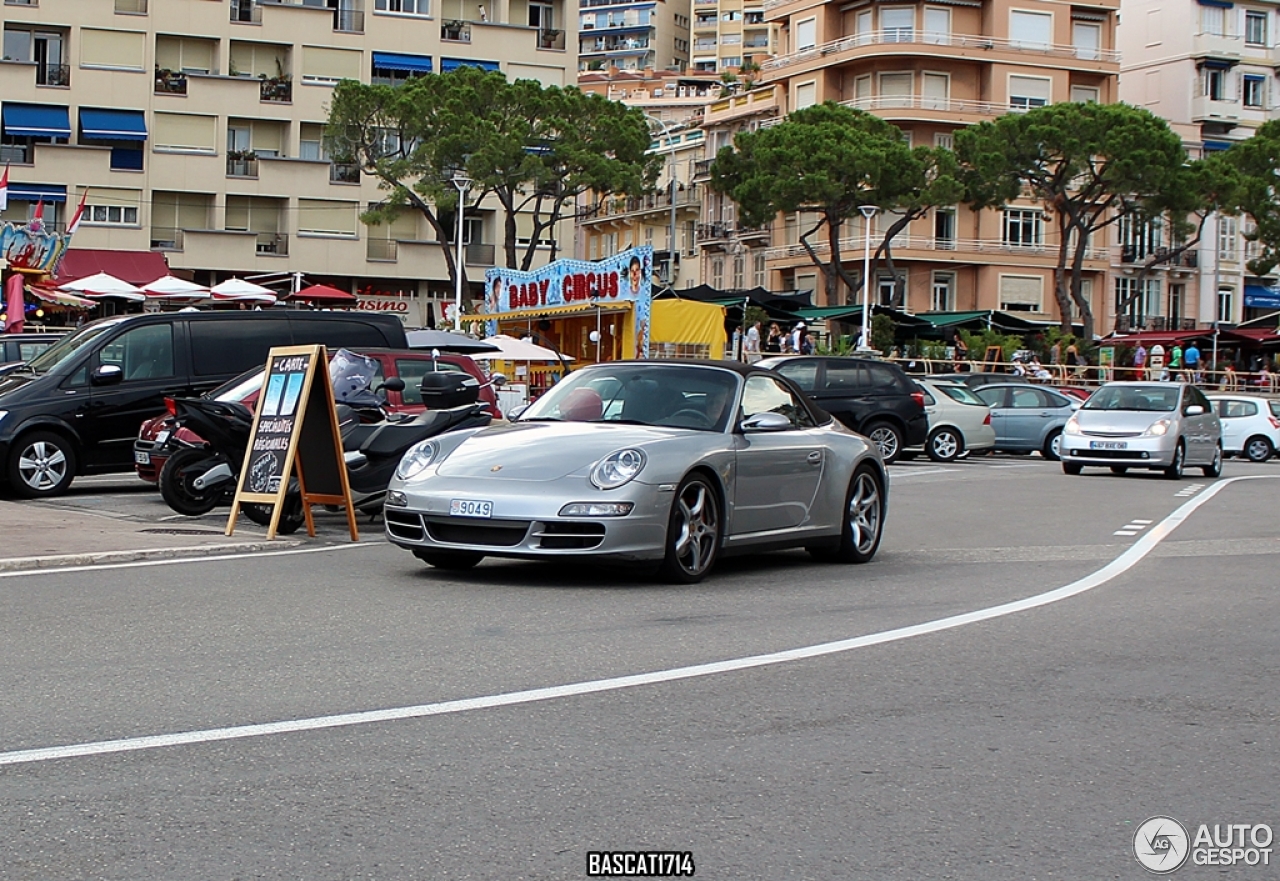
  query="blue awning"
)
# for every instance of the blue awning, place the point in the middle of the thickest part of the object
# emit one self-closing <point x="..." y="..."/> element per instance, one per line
<point x="36" y="192"/>
<point x="1218" y="63"/>
<point x="1221" y="4"/>
<point x="113" y="125"/>
<point x="1259" y="297"/>
<point x="448" y="64"/>
<point x="1211" y="146"/>
<point x="396" y="61"/>
<point x="36" y="121"/>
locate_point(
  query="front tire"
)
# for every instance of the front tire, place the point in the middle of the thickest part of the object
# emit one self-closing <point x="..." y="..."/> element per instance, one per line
<point x="1119" y="469"/>
<point x="1072" y="468"/>
<point x="176" y="482"/>
<point x="693" y="532"/>
<point x="1175" y="469"/>
<point x="863" y="522"/>
<point x="42" y="465"/>
<point x="1214" y="469"/>
<point x="888" y="441"/>
<point x="454" y="561"/>
<point x="945" y="444"/>
<point x="1052" y="449"/>
<point x="1258" y="449"/>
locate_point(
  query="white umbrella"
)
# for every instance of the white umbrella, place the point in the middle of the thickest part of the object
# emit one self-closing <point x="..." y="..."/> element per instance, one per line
<point x="512" y="349"/>
<point x="170" y="287"/>
<point x="240" y="291"/>
<point x="103" y="285"/>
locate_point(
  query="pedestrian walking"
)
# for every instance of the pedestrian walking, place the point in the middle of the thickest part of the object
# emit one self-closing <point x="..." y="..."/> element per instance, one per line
<point x="797" y="337"/>
<point x="961" y="353"/>
<point x="773" y="342"/>
<point x="1055" y="353"/>
<point x="1140" y="361"/>
<point x="1191" y="358"/>
<point x="1175" y="361"/>
<point x="753" y="342"/>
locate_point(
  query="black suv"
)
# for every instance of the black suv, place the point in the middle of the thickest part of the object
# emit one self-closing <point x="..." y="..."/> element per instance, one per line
<point x="874" y="398"/>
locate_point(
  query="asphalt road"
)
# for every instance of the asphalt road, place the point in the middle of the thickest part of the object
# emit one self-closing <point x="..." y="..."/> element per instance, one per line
<point x="1026" y="743"/>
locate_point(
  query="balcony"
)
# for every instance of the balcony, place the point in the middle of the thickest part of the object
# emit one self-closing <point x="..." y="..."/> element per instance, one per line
<point x="1206" y="109"/>
<point x="21" y="2"/>
<point x="344" y="173"/>
<point x="242" y="164"/>
<point x="702" y="169"/>
<point x="276" y="89"/>
<point x="456" y="32"/>
<point x="924" y="107"/>
<point x="381" y="250"/>
<point x="549" y="38"/>
<point x="1040" y="254"/>
<point x="1229" y="47"/>
<point x="478" y="254"/>
<point x="169" y="82"/>
<point x="131" y="7"/>
<point x="246" y="12"/>
<point x="18" y="154"/>
<point x="53" y="75"/>
<point x="273" y="244"/>
<point x="348" y="21"/>
<point x="166" y="238"/>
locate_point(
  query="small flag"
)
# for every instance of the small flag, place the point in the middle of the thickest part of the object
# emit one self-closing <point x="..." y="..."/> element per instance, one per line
<point x="4" y="189"/>
<point x="75" y="218"/>
<point x="38" y="217"/>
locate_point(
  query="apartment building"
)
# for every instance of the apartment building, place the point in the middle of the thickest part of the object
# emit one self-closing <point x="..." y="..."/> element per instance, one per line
<point x="1208" y="67"/>
<point x="195" y="127"/>
<point x="728" y="33"/>
<point x="930" y="68"/>
<point x="630" y="35"/>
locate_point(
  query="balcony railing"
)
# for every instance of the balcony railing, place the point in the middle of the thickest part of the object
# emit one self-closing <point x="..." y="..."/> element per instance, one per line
<point x="934" y="39"/>
<point x="1134" y="323"/>
<point x="242" y="167"/>
<point x="275" y="244"/>
<point x="132" y="7"/>
<point x="344" y="173"/>
<point x="1159" y="257"/>
<point x="246" y="12"/>
<point x="549" y="38"/>
<point x="882" y="103"/>
<point x="456" y="31"/>
<point x="478" y="254"/>
<point x="19" y="154"/>
<point x="348" y="21"/>
<point x="852" y="245"/>
<point x="166" y="238"/>
<point x="276" y="89"/>
<point x="170" y="82"/>
<point x="53" y="74"/>
<point x="380" y="249"/>
<point x="21" y="2"/>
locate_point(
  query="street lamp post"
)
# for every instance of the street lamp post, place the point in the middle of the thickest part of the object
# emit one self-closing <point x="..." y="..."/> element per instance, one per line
<point x="868" y="212"/>
<point x="463" y="183"/>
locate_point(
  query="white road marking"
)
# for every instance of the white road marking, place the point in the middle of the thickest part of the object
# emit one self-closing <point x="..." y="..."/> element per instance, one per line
<point x="1120" y="565"/>
<point x="1142" y="522"/>
<point x="216" y="558"/>
<point x="1123" y="532"/>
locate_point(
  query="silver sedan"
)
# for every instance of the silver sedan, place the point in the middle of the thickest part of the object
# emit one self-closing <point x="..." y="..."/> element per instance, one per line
<point x="1157" y="425"/>
<point x="665" y="464"/>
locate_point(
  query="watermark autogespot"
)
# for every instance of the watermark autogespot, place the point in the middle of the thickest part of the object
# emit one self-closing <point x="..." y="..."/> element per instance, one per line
<point x="1162" y="845"/>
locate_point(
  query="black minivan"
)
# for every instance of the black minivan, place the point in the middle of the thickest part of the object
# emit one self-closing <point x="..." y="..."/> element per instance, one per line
<point x="76" y="407"/>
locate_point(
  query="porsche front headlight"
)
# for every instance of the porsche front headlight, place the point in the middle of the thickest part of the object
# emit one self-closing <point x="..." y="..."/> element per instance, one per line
<point x="618" y="468"/>
<point x="415" y="461"/>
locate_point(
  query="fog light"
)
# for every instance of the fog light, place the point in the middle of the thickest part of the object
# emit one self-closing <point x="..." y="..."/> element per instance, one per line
<point x="396" y="499"/>
<point x="597" y="509"/>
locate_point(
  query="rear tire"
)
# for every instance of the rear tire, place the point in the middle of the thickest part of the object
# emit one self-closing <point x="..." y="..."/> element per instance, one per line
<point x="1176" y="467"/>
<point x="42" y="464"/>
<point x="1258" y="449"/>
<point x="945" y="444"/>
<point x="455" y="561"/>
<point x="1053" y="446"/>
<point x="1214" y="469"/>
<point x="888" y="440"/>
<point x="694" y="530"/>
<point x="177" y="475"/>
<point x="862" y="524"/>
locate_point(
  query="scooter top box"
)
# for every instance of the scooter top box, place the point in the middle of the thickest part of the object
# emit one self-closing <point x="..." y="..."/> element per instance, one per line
<point x="445" y="389"/>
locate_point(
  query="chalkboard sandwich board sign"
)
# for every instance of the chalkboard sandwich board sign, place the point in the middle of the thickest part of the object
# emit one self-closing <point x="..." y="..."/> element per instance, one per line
<point x="295" y="437"/>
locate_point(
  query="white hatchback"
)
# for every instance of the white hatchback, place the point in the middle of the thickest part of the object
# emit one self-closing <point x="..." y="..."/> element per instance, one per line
<point x="1250" y="425"/>
<point x="959" y="421"/>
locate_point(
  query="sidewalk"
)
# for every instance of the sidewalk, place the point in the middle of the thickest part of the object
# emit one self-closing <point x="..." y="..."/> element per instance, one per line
<point x="37" y="537"/>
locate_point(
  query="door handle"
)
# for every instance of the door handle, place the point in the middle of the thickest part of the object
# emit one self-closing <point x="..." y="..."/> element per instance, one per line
<point x="815" y="458"/>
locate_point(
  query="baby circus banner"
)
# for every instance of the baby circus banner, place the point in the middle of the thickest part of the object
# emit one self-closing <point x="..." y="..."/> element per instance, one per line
<point x="627" y="276"/>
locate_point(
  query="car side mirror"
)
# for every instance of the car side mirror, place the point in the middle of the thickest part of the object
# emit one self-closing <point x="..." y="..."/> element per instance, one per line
<point x="514" y="413"/>
<point x="768" y="421"/>
<point x="1194" y="410"/>
<point x="393" y="384"/>
<point x="107" y="374"/>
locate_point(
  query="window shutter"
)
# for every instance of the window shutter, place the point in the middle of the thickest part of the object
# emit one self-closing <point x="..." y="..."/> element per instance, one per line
<point x="115" y="49"/>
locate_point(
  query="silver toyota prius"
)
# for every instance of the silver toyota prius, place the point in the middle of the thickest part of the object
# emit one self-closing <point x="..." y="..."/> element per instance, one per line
<point x="666" y="465"/>
<point x="1163" y="426"/>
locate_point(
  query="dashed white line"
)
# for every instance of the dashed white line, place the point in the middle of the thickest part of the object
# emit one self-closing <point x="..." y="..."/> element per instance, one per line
<point x="1121" y="564"/>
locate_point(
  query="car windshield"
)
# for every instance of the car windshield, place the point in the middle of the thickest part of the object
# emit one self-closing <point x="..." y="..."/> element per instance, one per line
<point x="699" y="398"/>
<point x="962" y="394"/>
<point x="70" y="345"/>
<point x="1150" y="399"/>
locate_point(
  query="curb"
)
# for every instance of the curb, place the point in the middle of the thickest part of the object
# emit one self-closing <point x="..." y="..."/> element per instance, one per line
<point x="59" y="561"/>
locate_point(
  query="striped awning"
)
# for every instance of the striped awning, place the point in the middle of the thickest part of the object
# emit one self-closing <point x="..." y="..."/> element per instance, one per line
<point x="549" y="311"/>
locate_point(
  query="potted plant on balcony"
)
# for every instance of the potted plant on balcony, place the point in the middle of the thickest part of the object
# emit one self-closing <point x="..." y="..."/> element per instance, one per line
<point x="276" y="88"/>
<point x="240" y="163"/>
<point x="452" y="29"/>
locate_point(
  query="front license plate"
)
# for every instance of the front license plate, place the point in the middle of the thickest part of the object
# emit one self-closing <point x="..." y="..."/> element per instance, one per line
<point x="470" y="508"/>
<point x="141" y="458"/>
<point x="1108" y="445"/>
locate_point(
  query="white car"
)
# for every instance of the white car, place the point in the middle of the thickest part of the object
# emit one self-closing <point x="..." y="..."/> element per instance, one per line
<point x="1250" y="425"/>
<point x="959" y="421"/>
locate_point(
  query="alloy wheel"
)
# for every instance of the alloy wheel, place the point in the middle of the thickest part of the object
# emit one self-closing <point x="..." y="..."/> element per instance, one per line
<point x="42" y="466"/>
<point x="697" y="528"/>
<point x="865" y="513"/>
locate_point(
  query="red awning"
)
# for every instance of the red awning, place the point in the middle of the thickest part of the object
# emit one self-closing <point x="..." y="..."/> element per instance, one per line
<point x="136" y="267"/>
<point x="1249" y="335"/>
<point x="323" y="293"/>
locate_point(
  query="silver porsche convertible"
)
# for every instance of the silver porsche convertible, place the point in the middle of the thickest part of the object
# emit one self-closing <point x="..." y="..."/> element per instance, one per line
<point x="666" y="464"/>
